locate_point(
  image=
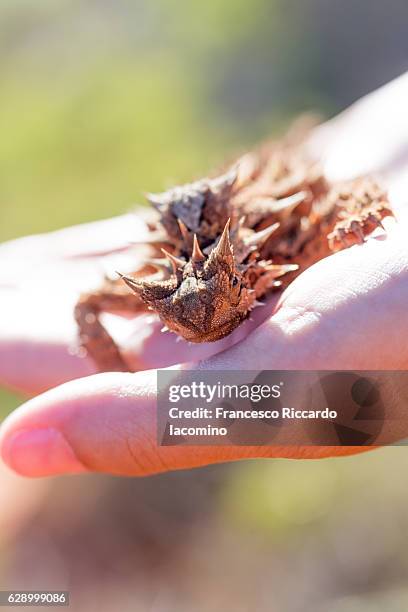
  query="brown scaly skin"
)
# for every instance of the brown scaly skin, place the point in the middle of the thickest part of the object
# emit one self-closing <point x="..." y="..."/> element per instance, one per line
<point x="231" y="240"/>
<point x="202" y="207"/>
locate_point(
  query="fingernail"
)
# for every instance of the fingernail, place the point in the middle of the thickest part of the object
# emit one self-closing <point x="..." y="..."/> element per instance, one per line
<point x="40" y="452"/>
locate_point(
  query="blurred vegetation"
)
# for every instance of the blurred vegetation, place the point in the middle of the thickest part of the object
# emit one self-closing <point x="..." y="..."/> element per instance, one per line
<point x="101" y="100"/>
<point x="89" y="120"/>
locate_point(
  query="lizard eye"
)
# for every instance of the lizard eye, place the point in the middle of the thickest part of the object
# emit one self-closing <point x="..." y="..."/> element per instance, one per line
<point x="235" y="281"/>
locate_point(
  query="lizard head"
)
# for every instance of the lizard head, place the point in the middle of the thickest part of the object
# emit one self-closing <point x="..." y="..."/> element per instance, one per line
<point x="205" y="298"/>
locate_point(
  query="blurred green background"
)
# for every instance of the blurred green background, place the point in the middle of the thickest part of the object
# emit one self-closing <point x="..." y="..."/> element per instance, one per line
<point x="100" y="101"/>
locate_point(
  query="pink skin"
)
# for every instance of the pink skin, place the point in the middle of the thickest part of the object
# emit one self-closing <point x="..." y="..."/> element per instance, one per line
<point x="348" y="311"/>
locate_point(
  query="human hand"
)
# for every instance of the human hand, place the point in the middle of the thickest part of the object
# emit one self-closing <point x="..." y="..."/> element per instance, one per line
<point x="41" y="279"/>
<point x="347" y="311"/>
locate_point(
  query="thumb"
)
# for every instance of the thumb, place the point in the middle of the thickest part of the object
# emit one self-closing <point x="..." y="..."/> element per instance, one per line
<point x="107" y="423"/>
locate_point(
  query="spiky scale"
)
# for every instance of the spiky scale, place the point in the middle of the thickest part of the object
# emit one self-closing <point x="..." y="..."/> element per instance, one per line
<point x="176" y="262"/>
<point x="197" y="255"/>
<point x="258" y="238"/>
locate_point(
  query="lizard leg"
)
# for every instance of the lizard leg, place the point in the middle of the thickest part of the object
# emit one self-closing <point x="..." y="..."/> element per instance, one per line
<point x="265" y="277"/>
<point x="360" y="206"/>
<point x="94" y="338"/>
<point x="357" y="227"/>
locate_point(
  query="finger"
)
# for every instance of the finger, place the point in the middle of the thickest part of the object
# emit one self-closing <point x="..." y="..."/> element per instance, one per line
<point x="38" y="341"/>
<point x="107" y="423"/>
<point x="31" y="369"/>
<point x="377" y="127"/>
<point x="348" y="311"/>
<point x="41" y="279"/>
<point x="89" y="239"/>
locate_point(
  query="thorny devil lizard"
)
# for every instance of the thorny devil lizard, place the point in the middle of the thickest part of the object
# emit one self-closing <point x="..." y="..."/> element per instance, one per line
<point x="221" y="244"/>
